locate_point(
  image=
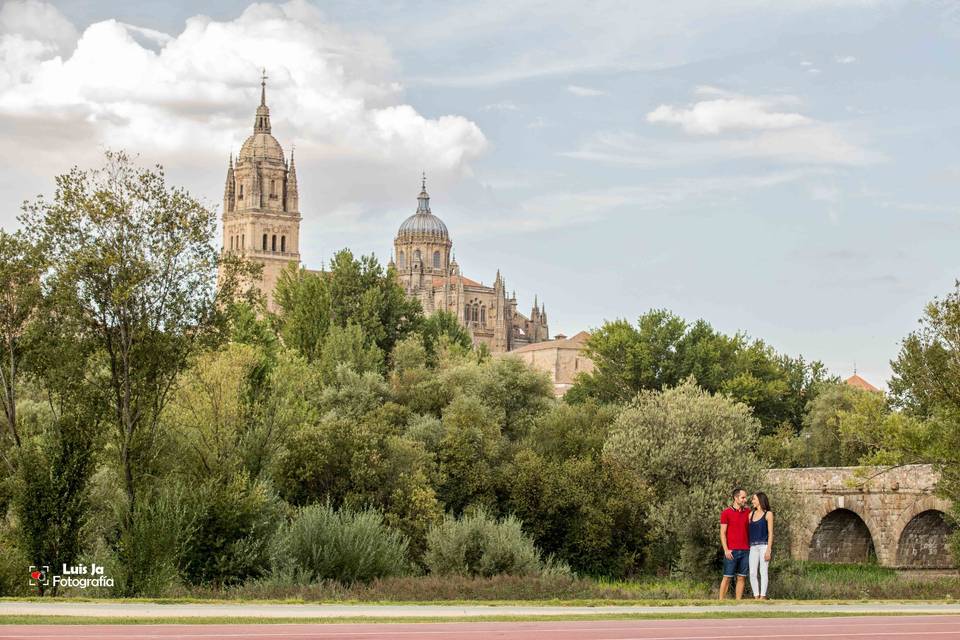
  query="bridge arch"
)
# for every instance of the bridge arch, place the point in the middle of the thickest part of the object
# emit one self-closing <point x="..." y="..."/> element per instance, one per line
<point x="842" y="534"/>
<point x="921" y="534"/>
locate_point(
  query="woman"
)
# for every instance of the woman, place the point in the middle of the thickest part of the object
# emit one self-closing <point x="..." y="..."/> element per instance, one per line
<point x="761" y="543"/>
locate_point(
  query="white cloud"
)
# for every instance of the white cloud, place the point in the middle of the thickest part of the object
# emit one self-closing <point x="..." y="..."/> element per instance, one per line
<point x="187" y="100"/>
<point x="31" y="22"/>
<point x="584" y="92"/>
<point x="711" y="117"/>
<point x="846" y="59"/>
<point x="806" y="63"/>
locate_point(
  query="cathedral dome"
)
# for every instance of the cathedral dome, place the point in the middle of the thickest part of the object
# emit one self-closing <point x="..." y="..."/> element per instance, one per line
<point x="261" y="145"/>
<point x="423" y="222"/>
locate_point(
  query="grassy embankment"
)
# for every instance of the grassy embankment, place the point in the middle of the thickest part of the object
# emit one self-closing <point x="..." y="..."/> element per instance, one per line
<point x="790" y="581"/>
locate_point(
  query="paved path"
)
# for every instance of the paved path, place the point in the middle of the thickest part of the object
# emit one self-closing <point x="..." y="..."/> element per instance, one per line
<point x="150" y="610"/>
<point x="860" y="628"/>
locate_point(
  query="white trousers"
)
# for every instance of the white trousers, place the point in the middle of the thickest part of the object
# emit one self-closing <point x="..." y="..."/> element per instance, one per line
<point x="758" y="565"/>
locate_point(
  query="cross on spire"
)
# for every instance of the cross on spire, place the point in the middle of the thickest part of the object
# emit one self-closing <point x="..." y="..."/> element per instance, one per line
<point x="263" y="87"/>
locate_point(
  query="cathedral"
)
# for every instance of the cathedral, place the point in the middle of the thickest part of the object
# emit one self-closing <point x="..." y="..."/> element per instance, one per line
<point x="261" y="221"/>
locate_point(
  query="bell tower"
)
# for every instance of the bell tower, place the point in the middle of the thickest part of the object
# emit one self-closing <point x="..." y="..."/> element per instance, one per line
<point x="261" y="202"/>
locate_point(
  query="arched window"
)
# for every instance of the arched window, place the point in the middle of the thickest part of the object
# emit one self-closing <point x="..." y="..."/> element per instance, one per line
<point x="273" y="243"/>
<point x="466" y="313"/>
<point x="476" y="313"/>
<point x="273" y="188"/>
<point x="264" y="242"/>
<point x="241" y="193"/>
<point x="243" y="241"/>
<point x="416" y="255"/>
<point x="400" y="260"/>
<point x="231" y="243"/>
<point x="483" y="315"/>
<point x="283" y="244"/>
<point x="436" y="259"/>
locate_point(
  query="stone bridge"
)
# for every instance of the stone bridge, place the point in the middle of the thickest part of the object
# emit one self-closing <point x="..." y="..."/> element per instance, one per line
<point x="849" y="516"/>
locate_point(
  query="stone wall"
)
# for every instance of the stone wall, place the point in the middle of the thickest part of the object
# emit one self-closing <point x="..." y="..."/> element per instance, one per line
<point x="849" y="514"/>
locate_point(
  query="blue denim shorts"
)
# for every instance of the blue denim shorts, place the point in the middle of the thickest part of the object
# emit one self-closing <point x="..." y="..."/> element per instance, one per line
<point x="740" y="565"/>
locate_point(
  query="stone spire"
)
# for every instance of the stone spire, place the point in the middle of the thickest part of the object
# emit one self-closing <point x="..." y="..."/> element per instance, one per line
<point x="293" y="191"/>
<point x="229" y="189"/>
<point x="423" y="200"/>
<point x="262" y="122"/>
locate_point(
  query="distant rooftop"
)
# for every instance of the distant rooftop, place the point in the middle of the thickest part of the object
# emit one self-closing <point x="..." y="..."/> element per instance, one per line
<point x="560" y="342"/>
<point x="860" y="383"/>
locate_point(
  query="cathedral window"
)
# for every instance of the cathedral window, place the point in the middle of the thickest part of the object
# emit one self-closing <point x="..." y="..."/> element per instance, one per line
<point x="436" y="259"/>
<point x="283" y="244"/>
<point x="483" y="316"/>
<point x="273" y="188"/>
<point x="273" y="243"/>
<point x="400" y="260"/>
<point x="416" y="255"/>
<point x="231" y="243"/>
<point x="243" y="240"/>
<point x="476" y="313"/>
<point x="264" y="242"/>
<point x="241" y="193"/>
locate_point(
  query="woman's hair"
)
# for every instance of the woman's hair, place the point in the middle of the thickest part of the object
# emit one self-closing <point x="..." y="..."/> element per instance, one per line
<point x="763" y="500"/>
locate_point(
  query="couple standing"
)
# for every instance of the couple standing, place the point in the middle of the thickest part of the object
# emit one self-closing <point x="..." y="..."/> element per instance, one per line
<point x="747" y="539"/>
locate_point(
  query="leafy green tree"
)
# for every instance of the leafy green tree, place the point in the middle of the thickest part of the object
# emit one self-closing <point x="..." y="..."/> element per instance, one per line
<point x="52" y="497"/>
<point x="347" y="345"/>
<point x="826" y="442"/>
<point x="469" y="453"/>
<point x="926" y="387"/>
<point x="577" y="508"/>
<point x="691" y="448"/>
<point x="22" y="263"/>
<point x="442" y="327"/>
<point x="134" y="270"/>
<point x="663" y="350"/>
<point x="351" y="291"/>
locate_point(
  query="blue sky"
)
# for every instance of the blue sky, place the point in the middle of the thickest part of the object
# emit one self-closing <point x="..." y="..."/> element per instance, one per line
<point x="784" y="168"/>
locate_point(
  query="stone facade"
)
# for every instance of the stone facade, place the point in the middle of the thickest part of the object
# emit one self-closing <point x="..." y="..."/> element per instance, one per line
<point x="261" y="203"/>
<point x="261" y="221"/>
<point x="428" y="272"/>
<point x="561" y="358"/>
<point x="892" y="516"/>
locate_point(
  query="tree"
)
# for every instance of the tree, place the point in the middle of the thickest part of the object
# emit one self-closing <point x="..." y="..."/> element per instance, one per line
<point x="663" y="350"/>
<point x="133" y="267"/>
<point x="926" y="387"/>
<point x="351" y="291"/>
<point x="443" y="328"/>
<point x="22" y="263"/>
<point x="577" y="508"/>
<point x="691" y="448"/>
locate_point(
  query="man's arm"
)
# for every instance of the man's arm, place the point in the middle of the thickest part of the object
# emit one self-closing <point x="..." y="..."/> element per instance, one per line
<point x="723" y="541"/>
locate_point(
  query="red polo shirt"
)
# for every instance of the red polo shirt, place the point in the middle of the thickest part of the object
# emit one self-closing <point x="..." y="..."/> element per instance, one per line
<point x="737" y="523"/>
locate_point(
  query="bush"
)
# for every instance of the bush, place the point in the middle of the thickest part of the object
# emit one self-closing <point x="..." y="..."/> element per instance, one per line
<point x="235" y="522"/>
<point x="478" y="545"/>
<point x="322" y="543"/>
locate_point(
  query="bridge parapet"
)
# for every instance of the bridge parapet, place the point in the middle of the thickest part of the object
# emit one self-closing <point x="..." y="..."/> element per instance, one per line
<point x="851" y="514"/>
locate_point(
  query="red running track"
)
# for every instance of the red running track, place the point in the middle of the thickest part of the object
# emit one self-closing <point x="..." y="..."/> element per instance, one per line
<point x="859" y="628"/>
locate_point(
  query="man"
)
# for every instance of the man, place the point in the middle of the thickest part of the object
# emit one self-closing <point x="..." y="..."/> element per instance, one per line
<point x="734" y="524"/>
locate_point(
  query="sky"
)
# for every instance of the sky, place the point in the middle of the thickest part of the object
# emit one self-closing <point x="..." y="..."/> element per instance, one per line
<point x="784" y="168"/>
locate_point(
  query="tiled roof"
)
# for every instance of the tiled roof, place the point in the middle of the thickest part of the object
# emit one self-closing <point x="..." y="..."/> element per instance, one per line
<point x="439" y="280"/>
<point x="860" y="383"/>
